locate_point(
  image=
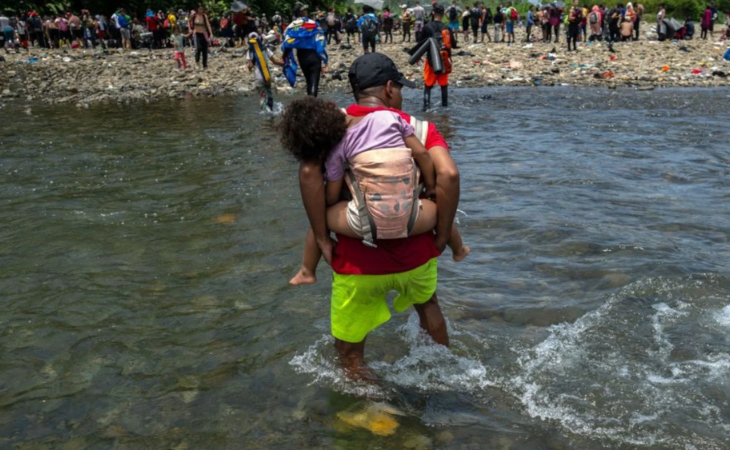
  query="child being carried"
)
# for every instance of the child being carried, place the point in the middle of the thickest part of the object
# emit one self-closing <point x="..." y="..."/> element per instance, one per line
<point x="374" y="156"/>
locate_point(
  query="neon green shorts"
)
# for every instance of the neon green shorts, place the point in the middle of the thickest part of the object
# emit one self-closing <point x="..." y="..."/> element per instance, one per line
<point x="358" y="301"/>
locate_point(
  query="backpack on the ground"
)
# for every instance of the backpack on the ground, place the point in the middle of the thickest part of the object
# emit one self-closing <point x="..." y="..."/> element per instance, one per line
<point x="369" y="28"/>
<point x="594" y="17"/>
<point x="513" y="15"/>
<point x="453" y="14"/>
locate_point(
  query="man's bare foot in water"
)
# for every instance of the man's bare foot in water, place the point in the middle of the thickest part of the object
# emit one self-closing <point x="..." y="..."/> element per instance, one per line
<point x="462" y="253"/>
<point x="357" y="371"/>
<point x="304" y="276"/>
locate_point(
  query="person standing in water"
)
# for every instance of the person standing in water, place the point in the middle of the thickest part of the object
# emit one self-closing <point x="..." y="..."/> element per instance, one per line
<point x="258" y="58"/>
<point x="307" y="37"/>
<point x="364" y="275"/>
<point x="444" y="38"/>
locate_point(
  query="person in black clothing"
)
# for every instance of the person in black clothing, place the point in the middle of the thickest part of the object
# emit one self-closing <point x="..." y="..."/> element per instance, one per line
<point x="575" y="16"/>
<point x="475" y="16"/>
<point x="486" y="21"/>
<point x="614" y="16"/>
<point x="436" y="29"/>
<point x="333" y="26"/>
<point x="350" y="22"/>
<point x="309" y="61"/>
<point x="498" y="21"/>
<point x="387" y="26"/>
<point x="405" y="23"/>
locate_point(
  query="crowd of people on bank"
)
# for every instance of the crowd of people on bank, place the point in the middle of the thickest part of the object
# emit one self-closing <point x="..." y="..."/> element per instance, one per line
<point x="476" y="21"/>
<point x="580" y="22"/>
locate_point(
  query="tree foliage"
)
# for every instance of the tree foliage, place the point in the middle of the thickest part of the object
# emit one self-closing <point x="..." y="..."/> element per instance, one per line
<point x="679" y="9"/>
<point x="138" y="7"/>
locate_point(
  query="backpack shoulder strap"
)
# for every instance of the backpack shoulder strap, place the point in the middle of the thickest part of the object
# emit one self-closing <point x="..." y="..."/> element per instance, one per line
<point x="369" y="230"/>
<point x="421" y="127"/>
<point x="415" y="206"/>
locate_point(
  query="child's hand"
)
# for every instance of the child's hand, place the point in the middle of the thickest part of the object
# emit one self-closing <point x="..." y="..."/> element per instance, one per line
<point x="431" y="193"/>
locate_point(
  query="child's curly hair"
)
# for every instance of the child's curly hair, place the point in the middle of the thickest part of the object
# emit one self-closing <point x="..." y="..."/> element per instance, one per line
<point x="310" y="128"/>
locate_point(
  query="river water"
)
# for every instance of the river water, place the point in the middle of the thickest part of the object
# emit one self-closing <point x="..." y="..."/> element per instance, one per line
<point x="146" y="249"/>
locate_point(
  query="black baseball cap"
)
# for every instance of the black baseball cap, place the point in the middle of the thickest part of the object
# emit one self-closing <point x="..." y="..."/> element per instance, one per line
<point x="375" y="69"/>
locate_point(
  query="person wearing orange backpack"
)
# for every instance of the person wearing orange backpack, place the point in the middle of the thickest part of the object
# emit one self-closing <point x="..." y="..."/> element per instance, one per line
<point x="444" y="37"/>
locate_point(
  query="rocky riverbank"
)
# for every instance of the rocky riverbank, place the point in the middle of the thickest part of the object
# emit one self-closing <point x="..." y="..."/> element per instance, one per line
<point x="84" y="77"/>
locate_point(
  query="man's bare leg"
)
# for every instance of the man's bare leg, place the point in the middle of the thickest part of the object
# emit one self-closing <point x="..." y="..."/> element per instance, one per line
<point x="352" y="358"/>
<point x="432" y="321"/>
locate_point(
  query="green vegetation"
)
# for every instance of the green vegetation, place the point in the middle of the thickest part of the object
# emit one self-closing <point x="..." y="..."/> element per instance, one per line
<point x="679" y="9"/>
<point x="216" y="7"/>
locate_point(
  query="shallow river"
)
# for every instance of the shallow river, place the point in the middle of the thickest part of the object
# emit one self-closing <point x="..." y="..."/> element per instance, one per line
<point x="146" y="249"/>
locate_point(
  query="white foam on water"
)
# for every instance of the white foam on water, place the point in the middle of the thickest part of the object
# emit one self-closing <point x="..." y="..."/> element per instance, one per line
<point x="612" y="374"/>
<point x="632" y="372"/>
<point x="723" y="316"/>
<point x="663" y="315"/>
<point x="433" y="368"/>
<point x="426" y="367"/>
<point x="326" y="371"/>
<point x="275" y="112"/>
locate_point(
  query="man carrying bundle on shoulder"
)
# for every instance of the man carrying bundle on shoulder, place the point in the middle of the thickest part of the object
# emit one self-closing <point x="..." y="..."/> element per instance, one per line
<point x="436" y="42"/>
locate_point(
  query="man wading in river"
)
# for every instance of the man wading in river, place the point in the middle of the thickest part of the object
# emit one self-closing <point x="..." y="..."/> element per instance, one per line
<point x="364" y="275"/>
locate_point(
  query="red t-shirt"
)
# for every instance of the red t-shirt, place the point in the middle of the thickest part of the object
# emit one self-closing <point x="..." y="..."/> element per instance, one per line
<point x="352" y="257"/>
<point x="238" y="18"/>
<point x="152" y="23"/>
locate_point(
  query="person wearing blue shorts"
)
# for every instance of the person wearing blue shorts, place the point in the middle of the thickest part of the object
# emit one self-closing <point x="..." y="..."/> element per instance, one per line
<point x="453" y="12"/>
<point x="510" y="16"/>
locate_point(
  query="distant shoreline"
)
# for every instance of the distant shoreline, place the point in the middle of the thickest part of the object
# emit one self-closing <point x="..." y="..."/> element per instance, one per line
<point x="86" y="77"/>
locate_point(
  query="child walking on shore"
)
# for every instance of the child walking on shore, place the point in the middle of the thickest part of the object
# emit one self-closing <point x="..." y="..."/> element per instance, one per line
<point x="178" y="41"/>
<point x="378" y="158"/>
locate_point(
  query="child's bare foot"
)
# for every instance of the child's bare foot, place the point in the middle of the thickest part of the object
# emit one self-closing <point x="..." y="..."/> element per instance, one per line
<point x="462" y="253"/>
<point x="304" y="276"/>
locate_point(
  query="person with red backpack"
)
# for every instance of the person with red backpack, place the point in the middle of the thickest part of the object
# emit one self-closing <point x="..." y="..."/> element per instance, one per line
<point x="511" y="16"/>
<point x="436" y="72"/>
